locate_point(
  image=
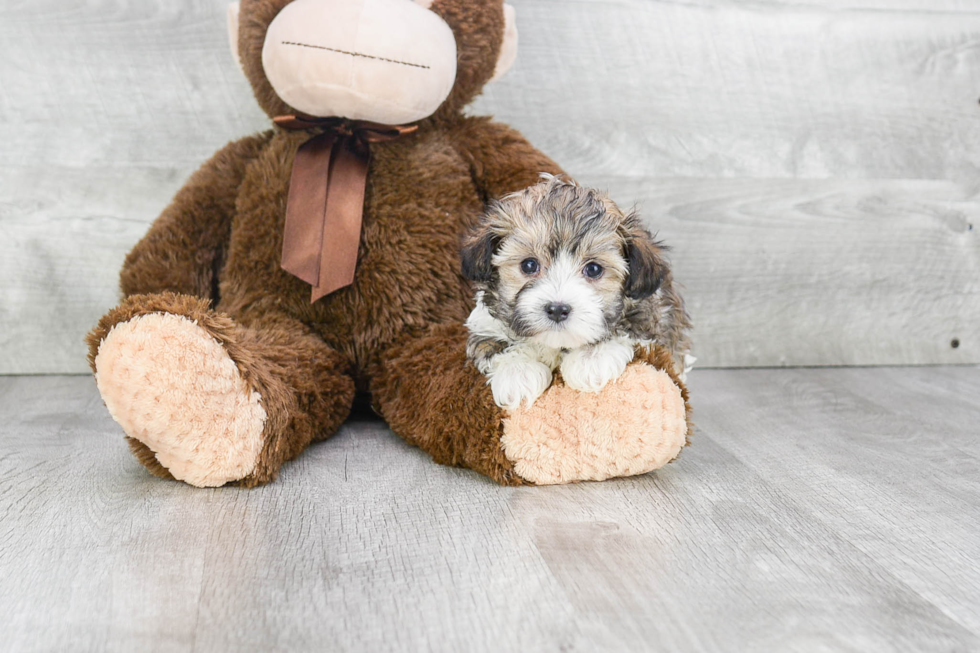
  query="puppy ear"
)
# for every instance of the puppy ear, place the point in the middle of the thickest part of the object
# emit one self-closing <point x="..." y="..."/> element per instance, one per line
<point x="647" y="268"/>
<point x="477" y="255"/>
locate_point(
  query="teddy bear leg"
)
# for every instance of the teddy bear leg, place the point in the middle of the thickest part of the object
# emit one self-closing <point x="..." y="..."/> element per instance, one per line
<point x="209" y="400"/>
<point x="434" y="399"/>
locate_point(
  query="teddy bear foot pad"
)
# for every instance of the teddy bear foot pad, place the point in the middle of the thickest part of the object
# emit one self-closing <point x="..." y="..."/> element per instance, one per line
<point x="174" y="388"/>
<point x="634" y="425"/>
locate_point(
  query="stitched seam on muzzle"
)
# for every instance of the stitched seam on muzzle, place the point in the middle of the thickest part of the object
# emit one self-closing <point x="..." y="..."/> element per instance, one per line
<point x="355" y="54"/>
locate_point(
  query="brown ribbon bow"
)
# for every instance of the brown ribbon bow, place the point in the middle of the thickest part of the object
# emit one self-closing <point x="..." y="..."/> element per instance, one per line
<point x="326" y="198"/>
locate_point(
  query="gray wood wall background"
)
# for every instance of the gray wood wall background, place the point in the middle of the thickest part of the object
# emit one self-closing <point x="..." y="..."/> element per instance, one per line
<point x="813" y="164"/>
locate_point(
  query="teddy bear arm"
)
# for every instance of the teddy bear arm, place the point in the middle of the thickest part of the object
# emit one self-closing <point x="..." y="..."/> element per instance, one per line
<point x="183" y="249"/>
<point x="501" y="160"/>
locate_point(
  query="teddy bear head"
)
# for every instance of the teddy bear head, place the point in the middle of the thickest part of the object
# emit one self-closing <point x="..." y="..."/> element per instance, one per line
<point x="386" y="61"/>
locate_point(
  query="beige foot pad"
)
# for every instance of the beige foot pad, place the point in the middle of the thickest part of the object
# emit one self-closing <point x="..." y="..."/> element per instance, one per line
<point x="634" y="425"/>
<point x="171" y="386"/>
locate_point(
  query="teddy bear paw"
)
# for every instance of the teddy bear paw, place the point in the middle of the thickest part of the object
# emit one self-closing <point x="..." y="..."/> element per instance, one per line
<point x="632" y="426"/>
<point x="174" y="388"/>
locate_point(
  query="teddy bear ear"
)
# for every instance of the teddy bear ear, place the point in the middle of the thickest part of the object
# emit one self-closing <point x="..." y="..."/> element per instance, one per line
<point x="233" y="10"/>
<point x="508" y="49"/>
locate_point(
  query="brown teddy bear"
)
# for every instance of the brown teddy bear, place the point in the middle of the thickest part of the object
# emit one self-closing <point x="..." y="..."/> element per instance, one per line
<point x="218" y="365"/>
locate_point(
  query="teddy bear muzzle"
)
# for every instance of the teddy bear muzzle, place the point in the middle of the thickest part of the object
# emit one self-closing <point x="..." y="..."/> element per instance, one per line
<point x="386" y="61"/>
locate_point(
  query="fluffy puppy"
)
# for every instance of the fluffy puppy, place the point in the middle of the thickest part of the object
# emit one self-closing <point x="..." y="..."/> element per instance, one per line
<point x="565" y="280"/>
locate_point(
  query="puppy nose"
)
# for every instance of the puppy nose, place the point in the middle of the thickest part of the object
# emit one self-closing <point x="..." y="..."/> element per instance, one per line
<point x="557" y="312"/>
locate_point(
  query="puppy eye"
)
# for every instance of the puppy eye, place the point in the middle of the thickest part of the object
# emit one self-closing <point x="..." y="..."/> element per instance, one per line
<point x="593" y="270"/>
<point x="530" y="266"/>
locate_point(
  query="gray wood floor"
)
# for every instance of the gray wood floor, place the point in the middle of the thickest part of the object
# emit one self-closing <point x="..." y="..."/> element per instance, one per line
<point x="818" y="510"/>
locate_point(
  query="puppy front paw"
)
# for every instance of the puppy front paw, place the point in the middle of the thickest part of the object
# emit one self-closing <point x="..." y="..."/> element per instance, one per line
<point x="516" y="379"/>
<point x="589" y="369"/>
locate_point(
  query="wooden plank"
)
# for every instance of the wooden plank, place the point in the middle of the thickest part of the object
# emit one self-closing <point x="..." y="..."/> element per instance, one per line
<point x="820" y="272"/>
<point x="63" y="235"/>
<point x="722" y="89"/>
<point x="148" y="82"/>
<point x="816" y="510"/>
<point x="707" y="89"/>
<point x="105" y="108"/>
<point x="776" y="272"/>
<point x="887" y="457"/>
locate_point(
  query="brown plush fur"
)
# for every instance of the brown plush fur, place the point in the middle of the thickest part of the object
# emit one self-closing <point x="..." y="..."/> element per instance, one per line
<point x="213" y="256"/>
<point x="145" y="456"/>
<point x="457" y="423"/>
<point x="184" y="250"/>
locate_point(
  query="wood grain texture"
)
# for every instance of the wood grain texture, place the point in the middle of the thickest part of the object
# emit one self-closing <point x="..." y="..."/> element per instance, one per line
<point x="818" y="509"/>
<point x="820" y="271"/>
<point x="759" y="90"/>
<point x="770" y="109"/>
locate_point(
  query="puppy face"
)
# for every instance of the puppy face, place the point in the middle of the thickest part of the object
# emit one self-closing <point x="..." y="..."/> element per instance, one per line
<point x="557" y="263"/>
